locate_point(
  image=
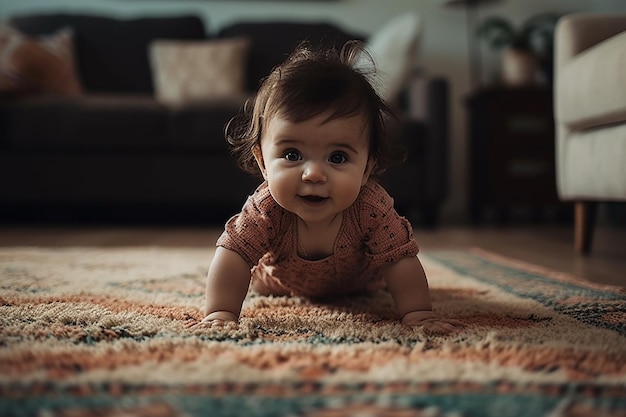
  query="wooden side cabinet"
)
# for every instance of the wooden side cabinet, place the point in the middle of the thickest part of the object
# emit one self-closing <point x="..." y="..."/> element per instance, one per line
<point x="511" y="151"/>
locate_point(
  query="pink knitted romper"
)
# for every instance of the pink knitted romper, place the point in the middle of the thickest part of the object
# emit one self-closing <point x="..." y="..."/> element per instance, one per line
<point x="372" y="234"/>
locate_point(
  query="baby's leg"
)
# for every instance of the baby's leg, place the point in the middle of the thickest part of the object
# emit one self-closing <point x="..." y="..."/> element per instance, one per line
<point x="264" y="283"/>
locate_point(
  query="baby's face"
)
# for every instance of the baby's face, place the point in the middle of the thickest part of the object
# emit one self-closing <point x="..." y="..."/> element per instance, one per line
<point x="315" y="168"/>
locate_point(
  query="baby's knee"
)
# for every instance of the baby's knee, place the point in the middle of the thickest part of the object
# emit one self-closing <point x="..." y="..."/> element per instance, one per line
<point x="262" y="287"/>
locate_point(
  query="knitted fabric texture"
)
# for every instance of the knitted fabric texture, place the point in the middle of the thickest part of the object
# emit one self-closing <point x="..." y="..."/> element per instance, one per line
<point x="372" y="234"/>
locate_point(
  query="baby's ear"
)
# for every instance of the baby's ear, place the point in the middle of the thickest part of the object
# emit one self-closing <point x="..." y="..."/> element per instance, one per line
<point x="258" y="156"/>
<point x="371" y="163"/>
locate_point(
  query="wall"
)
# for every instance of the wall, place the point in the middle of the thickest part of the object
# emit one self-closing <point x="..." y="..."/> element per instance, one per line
<point x="443" y="48"/>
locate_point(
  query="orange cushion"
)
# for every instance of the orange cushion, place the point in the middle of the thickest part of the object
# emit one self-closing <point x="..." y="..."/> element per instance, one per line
<point x="43" y="65"/>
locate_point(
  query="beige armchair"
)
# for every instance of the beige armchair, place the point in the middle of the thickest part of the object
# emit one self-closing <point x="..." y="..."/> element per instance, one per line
<point x="590" y="113"/>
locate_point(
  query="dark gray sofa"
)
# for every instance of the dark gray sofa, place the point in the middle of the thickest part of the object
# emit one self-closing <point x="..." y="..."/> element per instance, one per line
<point x="116" y="153"/>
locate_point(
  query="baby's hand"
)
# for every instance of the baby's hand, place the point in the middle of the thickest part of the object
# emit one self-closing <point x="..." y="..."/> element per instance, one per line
<point x="219" y="319"/>
<point x="430" y="323"/>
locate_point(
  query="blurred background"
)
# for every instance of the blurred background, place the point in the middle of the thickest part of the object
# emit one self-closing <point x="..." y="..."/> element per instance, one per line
<point x="444" y="47"/>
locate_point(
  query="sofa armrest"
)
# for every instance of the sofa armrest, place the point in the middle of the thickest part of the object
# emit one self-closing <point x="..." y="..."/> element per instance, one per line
<point x="423" y="176"/>
<point x="588" y="47"/>
<point x="435" y="146"/>
<point x="578" y="32"/>
<point x="437" y="137"/>
<point x="419" y="185"/>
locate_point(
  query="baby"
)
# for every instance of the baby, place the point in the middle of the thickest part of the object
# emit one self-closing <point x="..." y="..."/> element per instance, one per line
<point x="319" y="225"/>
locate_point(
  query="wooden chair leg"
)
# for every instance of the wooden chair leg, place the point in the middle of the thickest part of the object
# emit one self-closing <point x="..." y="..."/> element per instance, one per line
<point x="584" y="218"/>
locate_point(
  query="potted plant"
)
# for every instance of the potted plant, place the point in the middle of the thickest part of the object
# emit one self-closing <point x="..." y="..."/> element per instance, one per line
<point x="526" y="49"/>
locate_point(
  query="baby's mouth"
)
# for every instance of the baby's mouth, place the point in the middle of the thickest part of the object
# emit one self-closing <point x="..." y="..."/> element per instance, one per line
<point x="313" y="198"/>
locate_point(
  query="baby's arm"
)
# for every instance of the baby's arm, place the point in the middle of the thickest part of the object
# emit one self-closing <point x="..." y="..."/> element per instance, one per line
<point x="408" y="285"/>
<point x="226" y="286"/>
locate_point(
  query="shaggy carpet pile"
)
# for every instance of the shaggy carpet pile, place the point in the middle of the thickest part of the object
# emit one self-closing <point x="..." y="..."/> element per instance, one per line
<point x="111" y="332"/>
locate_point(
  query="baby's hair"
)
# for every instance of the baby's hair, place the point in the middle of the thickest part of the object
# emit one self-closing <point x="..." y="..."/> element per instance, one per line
<point x="309" y="83"/>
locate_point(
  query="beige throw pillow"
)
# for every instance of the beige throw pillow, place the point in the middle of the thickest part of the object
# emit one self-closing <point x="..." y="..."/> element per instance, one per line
<point x="188" y="71"/>
<point x="394" y="51"/>
<point x="41" y="65"/>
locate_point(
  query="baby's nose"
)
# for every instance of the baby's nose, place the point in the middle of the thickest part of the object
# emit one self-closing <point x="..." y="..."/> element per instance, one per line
<point x="314" y="172"/>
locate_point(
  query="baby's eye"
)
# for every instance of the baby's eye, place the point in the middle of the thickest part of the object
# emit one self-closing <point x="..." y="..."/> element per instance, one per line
<point x="292" y="156"/>
<point x="338" y="158"/>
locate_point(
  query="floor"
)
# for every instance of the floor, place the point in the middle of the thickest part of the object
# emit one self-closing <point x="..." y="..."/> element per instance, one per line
<point x="548" y="246"/>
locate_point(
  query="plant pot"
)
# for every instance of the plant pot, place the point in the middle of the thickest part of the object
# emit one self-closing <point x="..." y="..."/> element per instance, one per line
<point x="519" y="67"/>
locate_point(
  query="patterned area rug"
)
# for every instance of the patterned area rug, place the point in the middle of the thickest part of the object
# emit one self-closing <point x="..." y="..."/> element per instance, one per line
<point x="110" y="332"/>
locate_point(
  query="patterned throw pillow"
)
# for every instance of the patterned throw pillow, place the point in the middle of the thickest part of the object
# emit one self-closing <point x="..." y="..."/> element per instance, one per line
<point x="188" y="71"/>
<point x="41" y="65"/>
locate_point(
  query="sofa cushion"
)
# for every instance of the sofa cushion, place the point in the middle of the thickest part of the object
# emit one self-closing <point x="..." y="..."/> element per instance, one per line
<point x="272" y="42"/>
<point x="87" y="123"/>
<point x="590" y="86"/>
<point x="44" y="64"/>
<point x="591" y="164"/>
<point x="112" y="54"/>
<point x="188" y="71"/>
